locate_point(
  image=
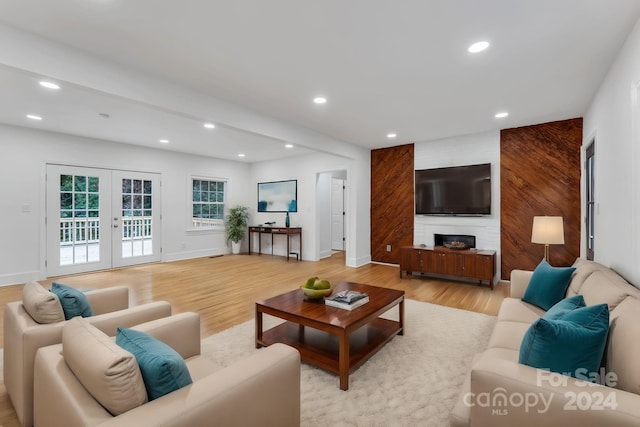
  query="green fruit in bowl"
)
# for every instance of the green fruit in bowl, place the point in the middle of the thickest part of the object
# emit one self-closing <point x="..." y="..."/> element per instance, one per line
<point x="322" y="284"/>
<point x="310" y="282"/>
<point x="318" y="289"/>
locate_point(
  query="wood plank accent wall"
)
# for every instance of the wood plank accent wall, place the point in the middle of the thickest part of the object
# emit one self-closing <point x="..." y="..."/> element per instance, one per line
<point x="539" y="175"/>
<point x="392" y="204"/>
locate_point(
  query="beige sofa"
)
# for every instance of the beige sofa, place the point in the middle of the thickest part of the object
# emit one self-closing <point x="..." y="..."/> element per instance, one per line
<point x="262" y="389"/>
<point x="23" y="336"/>
<point x="501" y="392"/>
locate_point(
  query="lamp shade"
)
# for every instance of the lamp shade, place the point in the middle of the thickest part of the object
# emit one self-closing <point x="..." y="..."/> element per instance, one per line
<point x="547" y="230"/>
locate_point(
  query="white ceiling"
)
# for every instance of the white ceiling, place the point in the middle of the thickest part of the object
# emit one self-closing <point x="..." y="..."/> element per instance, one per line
<point x="384" y="66"/>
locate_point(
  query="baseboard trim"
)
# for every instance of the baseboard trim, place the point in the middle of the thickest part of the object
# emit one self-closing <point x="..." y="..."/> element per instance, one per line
<point x="181" y="256"/>
<point x="19" y="278"/>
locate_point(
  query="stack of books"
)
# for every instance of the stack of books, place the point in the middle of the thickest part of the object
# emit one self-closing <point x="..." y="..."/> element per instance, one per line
<point x="347" y="300"/>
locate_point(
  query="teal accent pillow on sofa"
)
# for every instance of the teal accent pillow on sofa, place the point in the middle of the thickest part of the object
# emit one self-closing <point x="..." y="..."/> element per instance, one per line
<point x="74" y="302"/>
<point x="547" y="285"/>
<point x="572" y="345"/>
<point x="163" y="369"/>
<point x="564" y="307"/>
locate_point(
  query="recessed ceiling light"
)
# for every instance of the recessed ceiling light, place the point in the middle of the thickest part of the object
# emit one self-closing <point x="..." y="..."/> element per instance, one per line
<point x="209" y="125"/>
<point x="391" y="135"/>
<point x="241" y="155"/>
<point x="164" y="141"/>
<point x="288" y="145"/>
<point x="48" y="85"/>
<point x="33" y="117"/>
<point x="501" y="115"/>
<point x="478" y="47"/>
<point x="320" y="100"/>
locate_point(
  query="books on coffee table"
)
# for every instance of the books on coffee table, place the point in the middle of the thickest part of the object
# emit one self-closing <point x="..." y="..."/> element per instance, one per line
<point x="347" y="300"/>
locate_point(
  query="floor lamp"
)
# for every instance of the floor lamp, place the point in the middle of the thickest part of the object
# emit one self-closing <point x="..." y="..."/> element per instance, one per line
<point x="547" y="230"/>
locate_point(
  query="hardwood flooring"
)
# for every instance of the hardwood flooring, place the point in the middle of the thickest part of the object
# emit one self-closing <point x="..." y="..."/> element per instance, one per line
<point x="223" y="289"/>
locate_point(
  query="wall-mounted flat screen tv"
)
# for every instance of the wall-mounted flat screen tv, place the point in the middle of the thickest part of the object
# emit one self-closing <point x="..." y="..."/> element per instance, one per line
<point x="278" y="196"/>
<point x="458" y="190"/>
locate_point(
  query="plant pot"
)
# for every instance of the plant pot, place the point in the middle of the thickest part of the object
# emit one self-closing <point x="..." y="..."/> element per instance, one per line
<point x="235" y="248"/>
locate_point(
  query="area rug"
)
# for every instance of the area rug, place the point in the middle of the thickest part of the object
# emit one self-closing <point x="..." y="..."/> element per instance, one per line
<point x="414" y="380"/>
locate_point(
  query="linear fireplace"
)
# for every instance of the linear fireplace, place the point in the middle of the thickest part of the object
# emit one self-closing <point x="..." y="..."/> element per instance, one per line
<point x="443" y="239"/>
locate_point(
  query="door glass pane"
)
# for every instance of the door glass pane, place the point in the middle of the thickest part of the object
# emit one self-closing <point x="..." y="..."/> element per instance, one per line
<point x="79" y="219"/>
<point x="137" y="224"/>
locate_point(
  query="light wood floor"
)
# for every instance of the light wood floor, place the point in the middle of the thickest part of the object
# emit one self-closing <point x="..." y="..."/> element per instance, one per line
<point x="223" y="289"/>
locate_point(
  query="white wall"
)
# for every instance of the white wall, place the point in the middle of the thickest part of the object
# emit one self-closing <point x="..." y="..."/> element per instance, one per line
<point x="458" y="151"/>
<point x="25" y="154"/>
<point x="323" y="198"/>
<point x="307" y="170"/>
<point x="613" y="119"/>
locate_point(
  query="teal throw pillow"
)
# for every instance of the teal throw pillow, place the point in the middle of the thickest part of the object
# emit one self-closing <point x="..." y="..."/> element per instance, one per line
<point x="74" y="302"/>
<point x="163" y="369"/>
<point x="564" y="307"/>
<point x="572" y="345"/>
<point x="547" y="285"/>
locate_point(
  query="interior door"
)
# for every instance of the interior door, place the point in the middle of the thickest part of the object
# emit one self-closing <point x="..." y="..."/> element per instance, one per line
<point x="337" y="214"/>
<point x="99" y="219"/>
<point x="77" y="220"/>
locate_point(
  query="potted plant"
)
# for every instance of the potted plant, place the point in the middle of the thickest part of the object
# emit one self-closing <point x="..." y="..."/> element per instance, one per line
<point x="236" y="225"/>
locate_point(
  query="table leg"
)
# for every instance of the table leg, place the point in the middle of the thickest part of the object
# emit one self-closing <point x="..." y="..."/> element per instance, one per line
<point x="249" y="241"/>
<point x="300" y="245"/>
<point x="401" y="316"/>
<point x="344" y="361"/>
<point x="258" y="328"/>
<point x="288" y="250"/>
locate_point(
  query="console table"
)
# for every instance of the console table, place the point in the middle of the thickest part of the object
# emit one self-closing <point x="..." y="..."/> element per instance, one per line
<point x="469" y="264"/>
<point x="287" y="231"/>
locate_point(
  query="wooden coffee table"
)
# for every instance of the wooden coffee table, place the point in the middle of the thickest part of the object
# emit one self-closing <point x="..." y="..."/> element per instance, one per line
<point x="330" y="338"/>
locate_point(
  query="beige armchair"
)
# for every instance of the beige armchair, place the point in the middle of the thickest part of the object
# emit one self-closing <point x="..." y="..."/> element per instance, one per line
<point x="262" y="389"/>
<point x="23" y="336"/>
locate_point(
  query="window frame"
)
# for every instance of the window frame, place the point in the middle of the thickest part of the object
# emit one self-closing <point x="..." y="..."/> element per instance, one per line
<point x="218" y="224"/>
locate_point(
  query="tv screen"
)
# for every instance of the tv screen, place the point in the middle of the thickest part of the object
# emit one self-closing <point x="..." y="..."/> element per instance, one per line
<point x="278" y="196"/>
<point x="459" y="190"/>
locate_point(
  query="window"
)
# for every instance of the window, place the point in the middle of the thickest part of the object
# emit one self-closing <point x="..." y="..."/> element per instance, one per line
<point x="207" y="202"/>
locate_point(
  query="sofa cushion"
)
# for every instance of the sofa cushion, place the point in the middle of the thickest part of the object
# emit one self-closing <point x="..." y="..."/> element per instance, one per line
<point x="515" y="309"/>
<point x="163" y="369"/>
<point x="584" y="268"/>
<point x="508" y="334"/>
<point x="42" y="305"/>
<point x="548" y="285"/>
<point x="605" y="286"/>
<point x="564" y="307"/>
<point x="573" y="345"/>
<point x="74" y="302"/>
<point x="623" y="345"/>
<point x="108" y="372"/>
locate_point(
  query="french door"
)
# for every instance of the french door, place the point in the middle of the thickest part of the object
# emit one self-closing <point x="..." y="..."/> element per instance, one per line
<point x="100" y="218"/>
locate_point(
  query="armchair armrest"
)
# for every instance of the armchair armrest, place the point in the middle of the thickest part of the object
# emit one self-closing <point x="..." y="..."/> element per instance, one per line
<point x="180" y="331"/>
<point x="108" y="299"/>
<point x="109" y="322"/>
<point x="519" y="282"/>
<point x="506" y="393"/>
<point x="262" y="389"/>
